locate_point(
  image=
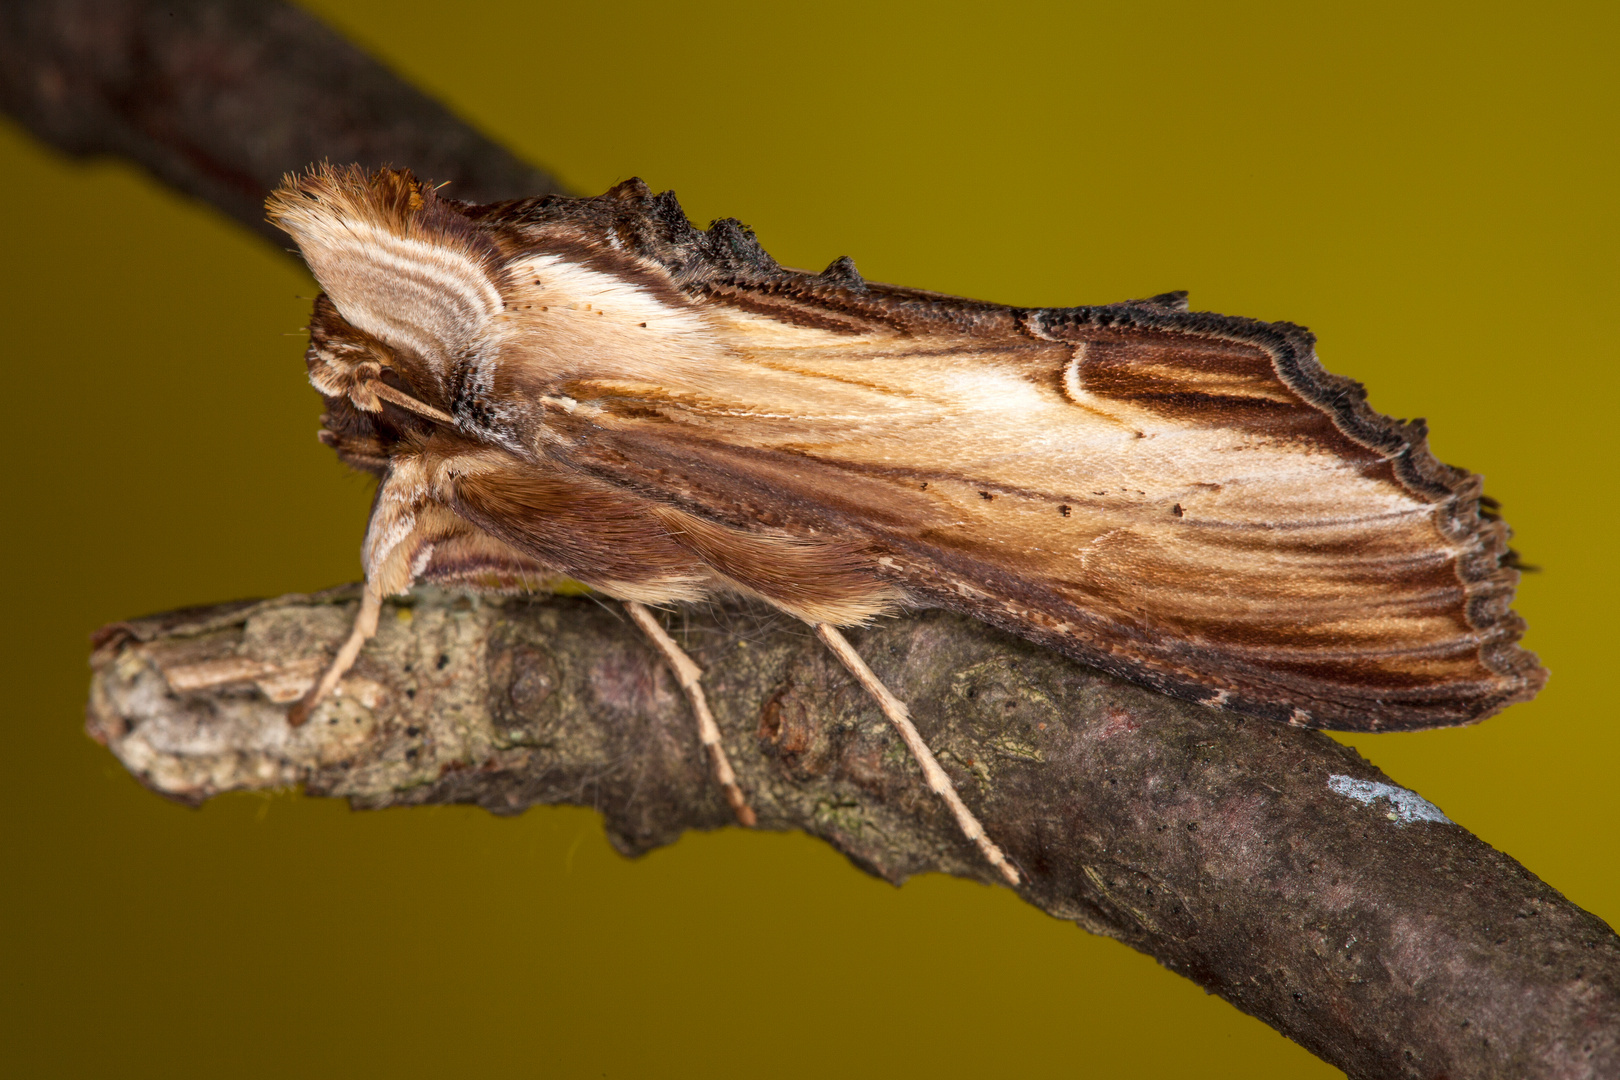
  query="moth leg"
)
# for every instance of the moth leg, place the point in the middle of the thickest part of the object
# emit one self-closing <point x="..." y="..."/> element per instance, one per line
<point x="687" y="673"/>
<point x="938" y="781"/>
<point x="399" y="538"/>
<point x="365" y="628"/>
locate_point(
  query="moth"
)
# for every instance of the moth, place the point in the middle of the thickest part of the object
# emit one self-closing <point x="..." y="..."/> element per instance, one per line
<point x="594" y="388"/>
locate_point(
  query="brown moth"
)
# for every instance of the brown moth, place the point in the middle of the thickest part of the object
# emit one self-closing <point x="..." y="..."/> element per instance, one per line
<point x="594" y="388"/>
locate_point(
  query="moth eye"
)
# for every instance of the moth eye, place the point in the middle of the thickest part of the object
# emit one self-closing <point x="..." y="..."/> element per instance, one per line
<point x="1064" y="510"/>
<point x="986" y="496"/>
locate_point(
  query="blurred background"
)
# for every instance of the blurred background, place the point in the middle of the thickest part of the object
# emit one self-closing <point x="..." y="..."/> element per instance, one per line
<point x="1429" y="187"/>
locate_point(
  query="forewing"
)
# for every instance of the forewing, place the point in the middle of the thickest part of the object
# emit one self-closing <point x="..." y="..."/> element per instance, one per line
<point x="1186" y="500"/>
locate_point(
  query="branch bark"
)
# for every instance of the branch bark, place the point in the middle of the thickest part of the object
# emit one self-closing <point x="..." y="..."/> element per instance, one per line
<point x="1266" y="864"/>
<point x="220" y="98"/>
<point x="1270" y="865"/>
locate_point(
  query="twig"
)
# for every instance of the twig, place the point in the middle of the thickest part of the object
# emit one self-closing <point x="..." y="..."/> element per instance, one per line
<point x="1270" y="865"/>
<point x="220" y="98"/>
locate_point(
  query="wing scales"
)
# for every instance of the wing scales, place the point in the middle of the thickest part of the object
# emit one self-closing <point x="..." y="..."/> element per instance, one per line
<point x="1191" y="514"/>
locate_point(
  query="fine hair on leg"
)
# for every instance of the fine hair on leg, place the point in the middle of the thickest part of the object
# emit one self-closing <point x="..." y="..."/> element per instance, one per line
<point x="688" y="674"/>
<point x="938" y="781"/>
<point x="365" y="628"/>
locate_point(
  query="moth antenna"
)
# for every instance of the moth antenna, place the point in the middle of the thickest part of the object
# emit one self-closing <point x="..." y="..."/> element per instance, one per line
<point x="938" y="781"/>
<point x="688" y="674"/>
<point x="408" y="403"/>
<point x="365" y="628"/>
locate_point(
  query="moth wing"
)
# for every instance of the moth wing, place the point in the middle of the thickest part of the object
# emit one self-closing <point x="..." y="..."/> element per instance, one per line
<point x="1186" y="500"/>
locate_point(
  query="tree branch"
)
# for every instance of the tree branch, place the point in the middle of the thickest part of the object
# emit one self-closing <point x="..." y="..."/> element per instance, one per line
<point x="1271" y="865"/>
<point x="1267" y="864"/>
<point x="220" y="98"/>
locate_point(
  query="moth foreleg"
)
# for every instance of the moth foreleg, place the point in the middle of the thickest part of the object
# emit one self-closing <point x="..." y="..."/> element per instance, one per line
<point x="365" y="628"/>
<point x="688" y="674"/>
<point x="938" y="781"/>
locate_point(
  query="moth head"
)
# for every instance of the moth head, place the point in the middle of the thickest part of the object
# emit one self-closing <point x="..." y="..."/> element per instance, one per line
<point x="408" y="274"/>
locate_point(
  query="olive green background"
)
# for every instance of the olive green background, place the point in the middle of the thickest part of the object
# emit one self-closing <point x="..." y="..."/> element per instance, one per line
<point x="1430" y="187"/>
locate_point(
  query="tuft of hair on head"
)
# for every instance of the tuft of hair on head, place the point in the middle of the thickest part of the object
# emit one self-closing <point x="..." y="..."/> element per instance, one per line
<point x="399" y="263"/>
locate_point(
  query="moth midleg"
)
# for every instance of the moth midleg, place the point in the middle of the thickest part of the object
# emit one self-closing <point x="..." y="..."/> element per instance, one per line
<point x="365" y="628"/>
<point x="688" y="674"/>
<point x="938" y="781"/>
